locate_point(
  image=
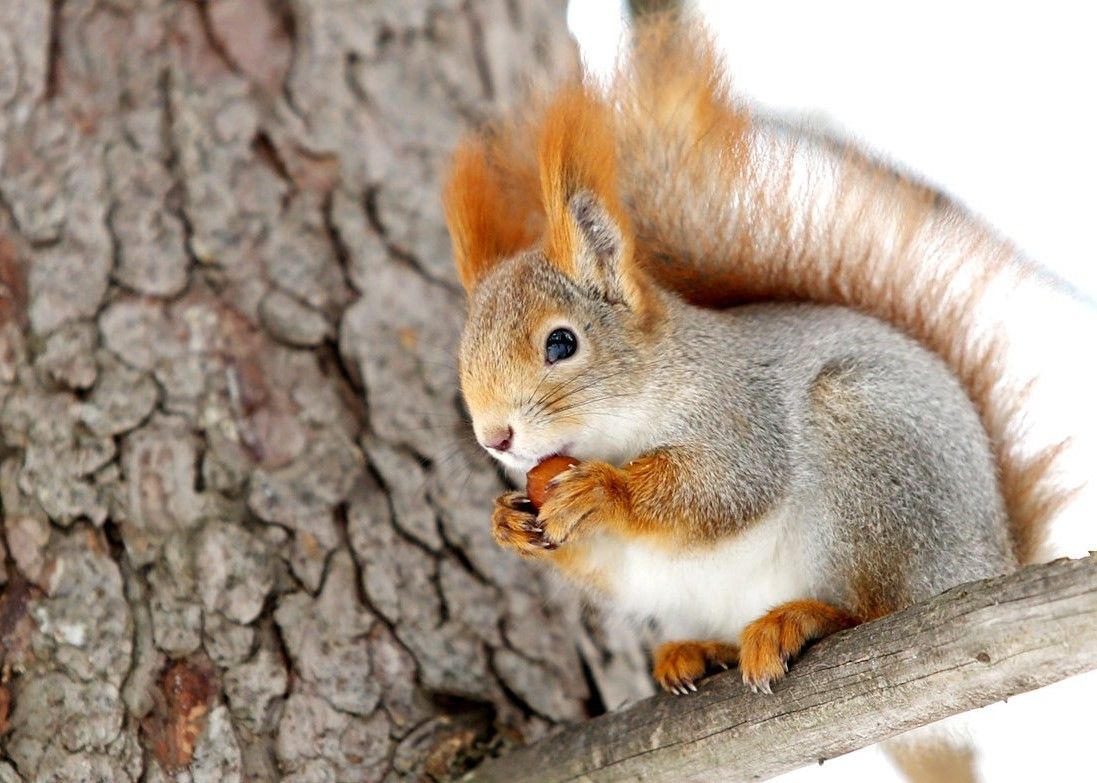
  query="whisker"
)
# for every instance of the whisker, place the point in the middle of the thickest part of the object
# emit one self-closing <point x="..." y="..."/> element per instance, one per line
<point x="579" y="405"/>
<point x="564" y="384"/>
<point x="551" y="391"/>
<point x="453" y="452"/>
<point x="438" y="463"/>
<point x="464" y="484"/>
<point x="588" y="384"/>
<point x="576" y="419"/>
<point x="537" y="388"/>
<point x="596" y="398"/>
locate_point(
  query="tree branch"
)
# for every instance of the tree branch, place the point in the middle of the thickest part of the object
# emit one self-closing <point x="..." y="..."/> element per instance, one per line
<point x="970" y="647"/>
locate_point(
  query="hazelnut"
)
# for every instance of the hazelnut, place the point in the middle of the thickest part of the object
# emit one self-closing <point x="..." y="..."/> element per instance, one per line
<point x="538" y="478"/>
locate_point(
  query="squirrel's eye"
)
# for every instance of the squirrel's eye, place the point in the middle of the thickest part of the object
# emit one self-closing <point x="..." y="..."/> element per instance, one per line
<point x="561" y="344"/>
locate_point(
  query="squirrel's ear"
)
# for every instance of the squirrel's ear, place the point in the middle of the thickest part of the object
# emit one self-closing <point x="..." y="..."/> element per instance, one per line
<point x="588" y="236"/>
<point x="489" y="220"/>
<point x="600" y="252"/>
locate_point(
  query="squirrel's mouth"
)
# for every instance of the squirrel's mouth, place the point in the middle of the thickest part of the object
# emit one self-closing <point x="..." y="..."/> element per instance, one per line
<point x="563" y="451"/>
<point x="525" y="461"/>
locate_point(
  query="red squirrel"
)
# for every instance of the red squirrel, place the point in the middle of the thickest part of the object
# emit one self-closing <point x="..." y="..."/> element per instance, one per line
<point x="762" y="346"/>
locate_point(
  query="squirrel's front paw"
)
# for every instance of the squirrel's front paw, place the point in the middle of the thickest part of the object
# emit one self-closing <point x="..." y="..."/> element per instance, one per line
<point x="515" y="525"/>
<point x="588" y="492"/>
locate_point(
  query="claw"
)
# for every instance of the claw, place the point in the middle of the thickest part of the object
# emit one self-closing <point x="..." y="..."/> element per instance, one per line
<point x="555" y="480"/>
<point x="691" y="686"/>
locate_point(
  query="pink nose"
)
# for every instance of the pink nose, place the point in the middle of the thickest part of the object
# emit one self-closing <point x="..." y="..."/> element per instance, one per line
<point x="498" y="439"/>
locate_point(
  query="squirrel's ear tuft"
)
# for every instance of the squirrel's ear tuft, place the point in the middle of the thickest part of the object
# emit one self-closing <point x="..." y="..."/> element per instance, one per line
<point x="489" y="217"/>
<point x="588" y="236"/>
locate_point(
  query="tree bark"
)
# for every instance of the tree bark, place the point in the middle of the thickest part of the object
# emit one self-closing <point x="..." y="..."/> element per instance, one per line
<point x="971" y="646"/>
<point x="245" y="531"/>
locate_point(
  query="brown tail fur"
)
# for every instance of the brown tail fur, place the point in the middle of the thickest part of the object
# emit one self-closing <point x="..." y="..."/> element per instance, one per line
<point x="933" y="760"/>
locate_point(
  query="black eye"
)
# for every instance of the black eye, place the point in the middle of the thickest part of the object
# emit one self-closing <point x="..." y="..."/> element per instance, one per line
<point x="561" y="344"/>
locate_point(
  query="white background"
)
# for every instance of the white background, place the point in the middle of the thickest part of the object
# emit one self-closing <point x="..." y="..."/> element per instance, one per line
<point x="995" y="104"/>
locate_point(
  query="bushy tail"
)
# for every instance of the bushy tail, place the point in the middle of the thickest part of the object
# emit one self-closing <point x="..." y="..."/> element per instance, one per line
<point x="731" y="209"/>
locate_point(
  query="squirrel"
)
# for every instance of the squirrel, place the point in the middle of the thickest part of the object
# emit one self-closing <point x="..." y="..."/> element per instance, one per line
<point x="762" y="345"/>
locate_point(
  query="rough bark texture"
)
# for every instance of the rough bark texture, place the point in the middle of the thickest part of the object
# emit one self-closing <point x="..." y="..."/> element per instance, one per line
<point x="972" y="646"/>
<point x="245" y="532"/>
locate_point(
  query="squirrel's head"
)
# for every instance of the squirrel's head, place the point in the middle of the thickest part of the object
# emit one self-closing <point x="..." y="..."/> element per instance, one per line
<point x="555" y="347"/>
<point x="552" y="353"/>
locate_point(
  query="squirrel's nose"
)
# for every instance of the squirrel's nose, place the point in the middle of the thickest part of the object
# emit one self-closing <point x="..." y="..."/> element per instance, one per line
<point x="498" y="439"/>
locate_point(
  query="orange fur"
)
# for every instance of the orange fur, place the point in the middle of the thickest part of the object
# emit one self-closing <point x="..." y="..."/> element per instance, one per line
<point x="769" y="642"/>
<point x="577" y="152"/>
<point x="515" y="526"/>
<point x="659" y="510"/>
<point x="641" y="500"/>
<point x="677" y="665"/>
<point x="631" y="502"/>
<point x="934" y="759"/>
<point x="489" y="218"/>
<point x="587" y="492"/>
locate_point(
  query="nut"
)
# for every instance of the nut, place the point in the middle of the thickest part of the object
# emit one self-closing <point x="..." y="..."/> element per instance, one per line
<point x="538" y="478"/>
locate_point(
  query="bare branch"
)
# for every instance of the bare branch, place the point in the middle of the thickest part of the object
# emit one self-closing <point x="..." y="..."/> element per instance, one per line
<point x="967" y="648"/>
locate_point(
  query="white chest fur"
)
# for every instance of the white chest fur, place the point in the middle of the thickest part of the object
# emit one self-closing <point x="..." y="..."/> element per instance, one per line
<point x="710" y="594"/>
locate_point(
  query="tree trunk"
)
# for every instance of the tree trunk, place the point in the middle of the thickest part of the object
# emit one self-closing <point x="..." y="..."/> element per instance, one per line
<point x="246" y="531"/>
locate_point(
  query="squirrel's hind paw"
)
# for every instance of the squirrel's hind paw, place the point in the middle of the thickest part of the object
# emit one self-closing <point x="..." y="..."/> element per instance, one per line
<point x="772" y="640"/>
<point x="676" y="665"/>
